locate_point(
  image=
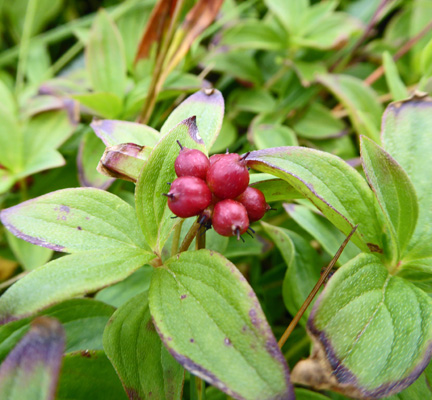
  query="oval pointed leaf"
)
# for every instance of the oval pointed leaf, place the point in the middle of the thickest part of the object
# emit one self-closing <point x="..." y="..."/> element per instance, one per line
<point x="146" y="369"/>
<point x="113" y="132"/>
<point x="83" y="320"/>
<point x="105" y="56"/>
<point x="89" y="375"/>
<point x="31" y="370"/>
<point x="393" y="189"/>
<point x="407" y="136"/>
<point x="72" y="220"/>
<point x="153" y="213"/>
<point x="372" y="331"/>
<point x="360" y="101"/>
<point x="208" y="106"/>
<point x="323" y="232"/>
<point x="212" y="323"/>
<point x="335" y="188"/>
<point x="70" y="276"/>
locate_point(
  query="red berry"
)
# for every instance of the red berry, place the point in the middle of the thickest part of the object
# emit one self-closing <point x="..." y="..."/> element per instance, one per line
<point x="230" y="218"/>
<point x="228" y="177"/>
<point x="191" y="162"/>
<point x="254" y="202"/>
<point x="215" y="157"/>
<point x="188" y="196"/>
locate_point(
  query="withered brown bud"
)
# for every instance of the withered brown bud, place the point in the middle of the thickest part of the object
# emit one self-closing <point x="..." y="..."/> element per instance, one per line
<point x="124" y="161"/>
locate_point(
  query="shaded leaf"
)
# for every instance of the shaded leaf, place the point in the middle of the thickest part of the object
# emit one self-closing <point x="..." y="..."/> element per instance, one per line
<point x="83" y="321"/>
<point x="236" y="352"/>
<point x="102" y="104"/>
<point x="89" y="375"/>
<point x="265" y="136"/>
<point x="303" y="268"/>
<point x="360" y="101"/>
<point x="72" y="220"/>
<point x="29" y="255"/>
<point x="70" y="276"/>
<point x="105" y="57"/>
<point x="394" y="81"/>
<point x="89" y="153"/>
<point x="147" y="370"/>
<point x="394" y="191"/>
<point x="31" y="370"/>
<point x="326" y="234"/>
<point x="274" y="189"/>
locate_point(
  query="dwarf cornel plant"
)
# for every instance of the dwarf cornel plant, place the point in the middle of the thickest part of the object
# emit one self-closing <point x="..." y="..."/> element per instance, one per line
<point x="371" y="326"/>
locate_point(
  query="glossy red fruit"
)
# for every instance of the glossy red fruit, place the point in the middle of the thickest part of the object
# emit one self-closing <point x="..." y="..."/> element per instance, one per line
<point x="188" y="196"/>
<point x="254" y="202"/>
<point x="228" y="177"/>
<point x="230" y="218"/>
<point x="191" y="162"/>
<point x="215" y="157"/>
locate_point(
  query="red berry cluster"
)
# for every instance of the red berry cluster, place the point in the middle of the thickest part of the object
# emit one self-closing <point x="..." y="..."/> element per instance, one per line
<point x="217" y="190"/>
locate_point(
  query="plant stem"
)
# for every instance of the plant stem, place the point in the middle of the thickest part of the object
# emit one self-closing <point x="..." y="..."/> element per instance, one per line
<point x="200" y="242"/>
<point x="314" y="291"/>
<point x="25" y="44"/>
<point x="190" y="236"/>
<point x="176" y="238"/>
<point x="69" y="55"/>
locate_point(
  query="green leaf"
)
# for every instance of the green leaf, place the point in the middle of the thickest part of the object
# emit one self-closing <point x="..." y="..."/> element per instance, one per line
<point x="394" y="191"/>
<point x="83" y="320"/>
<point x="334" y="187"/>
<point x="236" y="352"/>
<point x="118" y="294"/>
<point x="28" y="255"/>
<point x="373" y="329"/>
<point x="152" y="209"/>
<point x="290" y="13"/>
<point x="102" y="104"/>
<point x="253" y="34"/>
<point x="90" y="152"/>
<point x="394" y="82"/>
<point x="89" y="375"/>
<point x="265" y="136"/>
<point x="407" y="136"/>
<point x="32" y="368"/>
<point x="274" y="189"/>
<point x="324" y="233"/>
<point x="70" y="276"/>
<point x="208" y="108"/>
<point x="303" y="270"/>
<point x="252" y="100"/>
<point x="319" y="123"/>
<point x="147" y="370"/>
<point x="332" y="31"/>
<point x="105" y="57"/>
<point x="113" y="132"/>
<point x="72" y="220"/>
<point x="253" y="247"/>
<point x="426" y="61"/>
<point x="9" y="128"/>
<point x="360" y="101"/>
<point x="227" y="136"/>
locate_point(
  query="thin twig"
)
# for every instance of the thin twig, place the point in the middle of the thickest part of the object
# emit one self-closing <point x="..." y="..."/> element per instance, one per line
<point x="176" y="238"/>
<point x="314" y="291"/>
<point x="190" y="236"/>
<point x="10" y="281"/>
